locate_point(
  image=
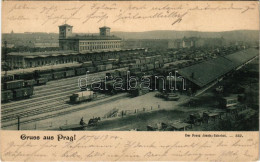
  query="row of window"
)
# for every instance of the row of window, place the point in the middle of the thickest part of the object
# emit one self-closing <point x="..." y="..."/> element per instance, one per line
<point x="49" y="62"/>
<point x="107" y="42"/>
<point x="99" y="47"/>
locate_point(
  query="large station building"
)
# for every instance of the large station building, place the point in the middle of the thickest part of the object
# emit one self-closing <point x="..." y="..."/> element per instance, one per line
<point x="74" y="48"/>
<point x="84" y="43"/>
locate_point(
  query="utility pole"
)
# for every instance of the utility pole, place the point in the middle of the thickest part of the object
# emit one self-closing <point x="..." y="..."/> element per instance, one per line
<point x="18" y="118"/>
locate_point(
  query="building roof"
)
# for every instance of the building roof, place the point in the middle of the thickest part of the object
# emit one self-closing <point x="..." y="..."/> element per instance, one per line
<point x="203" y="73"/>
<point x="240" y="57"/>
<point x="66" y="25"/>
<point x="104" y="27"/>
<point x="47" y="67"/>
<point x="63" y="53"/>
<point x="42" y="54"/>
<point x="93" y="37"/>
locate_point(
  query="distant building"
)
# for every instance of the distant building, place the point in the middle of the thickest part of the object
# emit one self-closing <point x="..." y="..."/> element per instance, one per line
<point x="8" y="45"/>
<point x="84" y="43"/>
<point x="46" y="44"/>
<point x="74" y="48"/>
<point x="155" y="44"/>
<point x="31" y="40"/>
<point x="196" y="42"/>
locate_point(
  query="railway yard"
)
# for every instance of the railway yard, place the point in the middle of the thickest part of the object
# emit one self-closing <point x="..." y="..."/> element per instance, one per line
<point x="50" y="106"/>
<point x="48" y="101"/>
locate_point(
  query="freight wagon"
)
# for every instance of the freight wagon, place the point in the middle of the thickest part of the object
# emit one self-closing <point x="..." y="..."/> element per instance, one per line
<point x="13" y="84"/>
<point x="6" y="96"/>
<point x="80" y="71"/>
<point x="227" y="102"/>
<point x="7" y="78"/>
<point x="109" y="66"/>
<point x="87" y="64"/>
<point x="24" y="76"/>
<point x="23" y="93"/>
<point x="41" y="81"/>
<point x="82" y="96"/>
<point x="40" y="73"/>
<point x="58" y="75"/>
<point x="91" y="69"/>
<point x="30" y="82"/>
<point x="69" y="73"/>
<point x="47" y="76"/>
<point x="101" y="68"/>
<point x="150" y="67"/>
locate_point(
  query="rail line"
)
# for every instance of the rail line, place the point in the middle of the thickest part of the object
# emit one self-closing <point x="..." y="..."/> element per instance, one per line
<point x="48" y="88"/>
<point x="42" y="109"/>
<point x="63" y="112"/>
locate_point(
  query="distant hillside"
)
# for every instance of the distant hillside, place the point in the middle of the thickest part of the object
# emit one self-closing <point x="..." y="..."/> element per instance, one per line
<point x="241" y="35"/>
<point x="237" y="35"/>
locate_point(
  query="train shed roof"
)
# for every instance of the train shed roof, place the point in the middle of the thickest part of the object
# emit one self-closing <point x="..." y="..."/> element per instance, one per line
<point x="205" y="72"/>
<point x="49" y="67"/>
<point x="64" y="53"/>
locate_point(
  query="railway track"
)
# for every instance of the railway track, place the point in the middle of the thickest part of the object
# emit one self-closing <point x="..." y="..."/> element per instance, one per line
<point x="81" y="107"/>
<point x="34" y="100"/>
<point x="48" y="99"/>
<point x="42" y="109"/>
<point x="49" y="88"/>
<point x="21" y="108"/>
<point x="100" y="74"/>
<point x="39" y="96"/>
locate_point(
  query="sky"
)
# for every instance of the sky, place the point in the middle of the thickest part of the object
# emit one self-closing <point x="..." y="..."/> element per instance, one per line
<point x="135" y="16"/>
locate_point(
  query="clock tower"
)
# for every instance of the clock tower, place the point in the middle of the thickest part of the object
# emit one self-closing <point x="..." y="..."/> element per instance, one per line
<point x="65" y="31"/>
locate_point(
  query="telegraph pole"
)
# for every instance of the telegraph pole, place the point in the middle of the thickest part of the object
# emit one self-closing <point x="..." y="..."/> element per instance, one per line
<point x="18" y="118"/>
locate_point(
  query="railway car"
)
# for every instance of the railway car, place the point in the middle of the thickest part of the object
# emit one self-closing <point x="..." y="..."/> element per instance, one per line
<point x="24" y="76"/>
<point x="39" y="73"/>
<point x="14" y="84"/>
<point x="101" y="68"/>
<point x="227" y="102"/>
<point x="115" y="67"/>
<point x="41" y="81"/>
<point x="143" y="68"/>
<point x="91" y="69"/>
<point x="58" y="75"/>
<point x="87" y="64"/>
<point x="109" y="66"/>
<point x="6" y="96"/>
<point x="80" y="71"/>
<point x="7" y="78"/>
<point x="29" y="83"/>
<point x="70" y="73"/>
<point x="82" y="96"/>
<point x="22" y="93"/>
<point x="150" y="67"/>
<point x="47" y="76"/>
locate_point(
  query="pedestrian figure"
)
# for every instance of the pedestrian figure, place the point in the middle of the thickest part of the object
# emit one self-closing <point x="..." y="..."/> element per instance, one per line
<point x="82" y="121"/>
